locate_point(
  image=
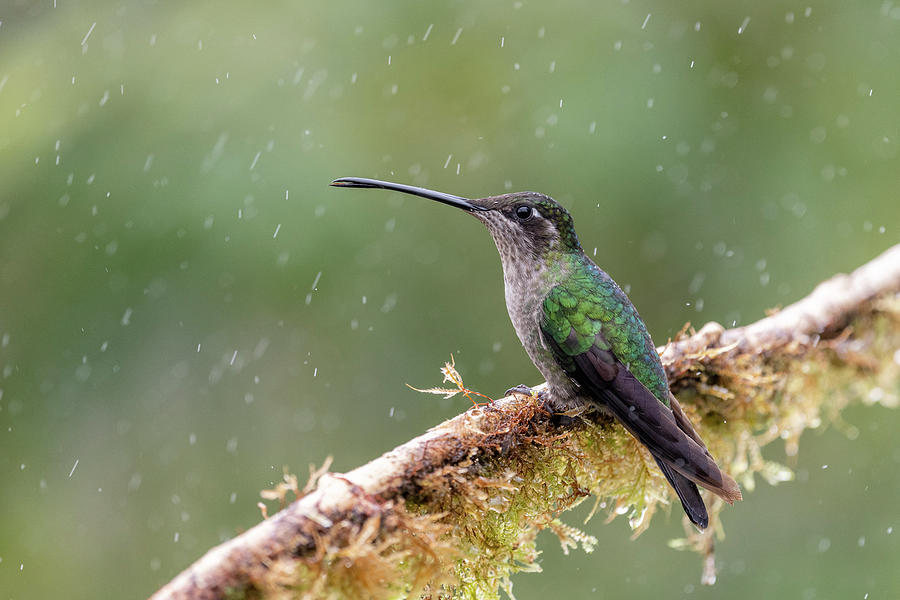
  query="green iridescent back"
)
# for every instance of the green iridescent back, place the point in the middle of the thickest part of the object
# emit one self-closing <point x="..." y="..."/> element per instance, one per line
<point x="589" y="302"/>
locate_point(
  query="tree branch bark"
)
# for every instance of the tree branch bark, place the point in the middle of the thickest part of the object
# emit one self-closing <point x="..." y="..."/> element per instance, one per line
<point x="349" y="535"/>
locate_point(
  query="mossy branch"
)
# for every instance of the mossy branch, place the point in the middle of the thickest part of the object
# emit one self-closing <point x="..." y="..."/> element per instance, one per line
<point x="455" y="511"/>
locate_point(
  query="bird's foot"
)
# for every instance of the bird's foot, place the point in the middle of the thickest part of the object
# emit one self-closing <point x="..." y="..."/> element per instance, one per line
<point x="543" y="396"/>
<point x="564" y="413"/>
<point x="521" y="389"/>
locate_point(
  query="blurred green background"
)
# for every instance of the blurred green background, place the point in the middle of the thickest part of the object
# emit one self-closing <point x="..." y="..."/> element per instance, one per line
<point x="186" y="306"/>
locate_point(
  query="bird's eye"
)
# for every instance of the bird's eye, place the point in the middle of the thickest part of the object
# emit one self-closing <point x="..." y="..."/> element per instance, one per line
<point x="523" y="213"/>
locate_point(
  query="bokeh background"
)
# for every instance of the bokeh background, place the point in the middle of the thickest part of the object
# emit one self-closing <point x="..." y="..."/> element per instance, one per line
<point x="186" y="307"/>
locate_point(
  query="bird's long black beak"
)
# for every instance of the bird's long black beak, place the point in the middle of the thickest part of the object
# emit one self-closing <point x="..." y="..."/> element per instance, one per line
<point x="362" y="182"/>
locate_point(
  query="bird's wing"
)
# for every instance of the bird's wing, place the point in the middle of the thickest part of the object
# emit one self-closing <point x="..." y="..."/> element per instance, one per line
<point x="581" y="346"/>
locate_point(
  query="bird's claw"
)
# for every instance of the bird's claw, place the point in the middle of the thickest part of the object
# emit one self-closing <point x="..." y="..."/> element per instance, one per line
<point x="521" y="389"/>
<point x="542" y="395"/>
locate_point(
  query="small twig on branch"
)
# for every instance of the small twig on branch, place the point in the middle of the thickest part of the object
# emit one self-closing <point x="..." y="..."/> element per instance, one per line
<point x="456" y="509"/>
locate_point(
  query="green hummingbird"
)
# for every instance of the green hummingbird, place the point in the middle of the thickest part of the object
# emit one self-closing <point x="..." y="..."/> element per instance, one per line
<point x="584" y="335"/>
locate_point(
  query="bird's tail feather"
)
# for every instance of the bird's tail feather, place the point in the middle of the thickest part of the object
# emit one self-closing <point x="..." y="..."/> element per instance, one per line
<point x="728" y="490"/>
<point x="688" y="494"/>
<point x="666" y="433"/>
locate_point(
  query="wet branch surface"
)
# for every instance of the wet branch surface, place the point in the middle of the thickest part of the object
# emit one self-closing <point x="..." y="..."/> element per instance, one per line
<point x="406" y="522"/>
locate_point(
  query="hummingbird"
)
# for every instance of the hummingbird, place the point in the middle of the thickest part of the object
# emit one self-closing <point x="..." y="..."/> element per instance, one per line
<point x="584" y="335"/>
